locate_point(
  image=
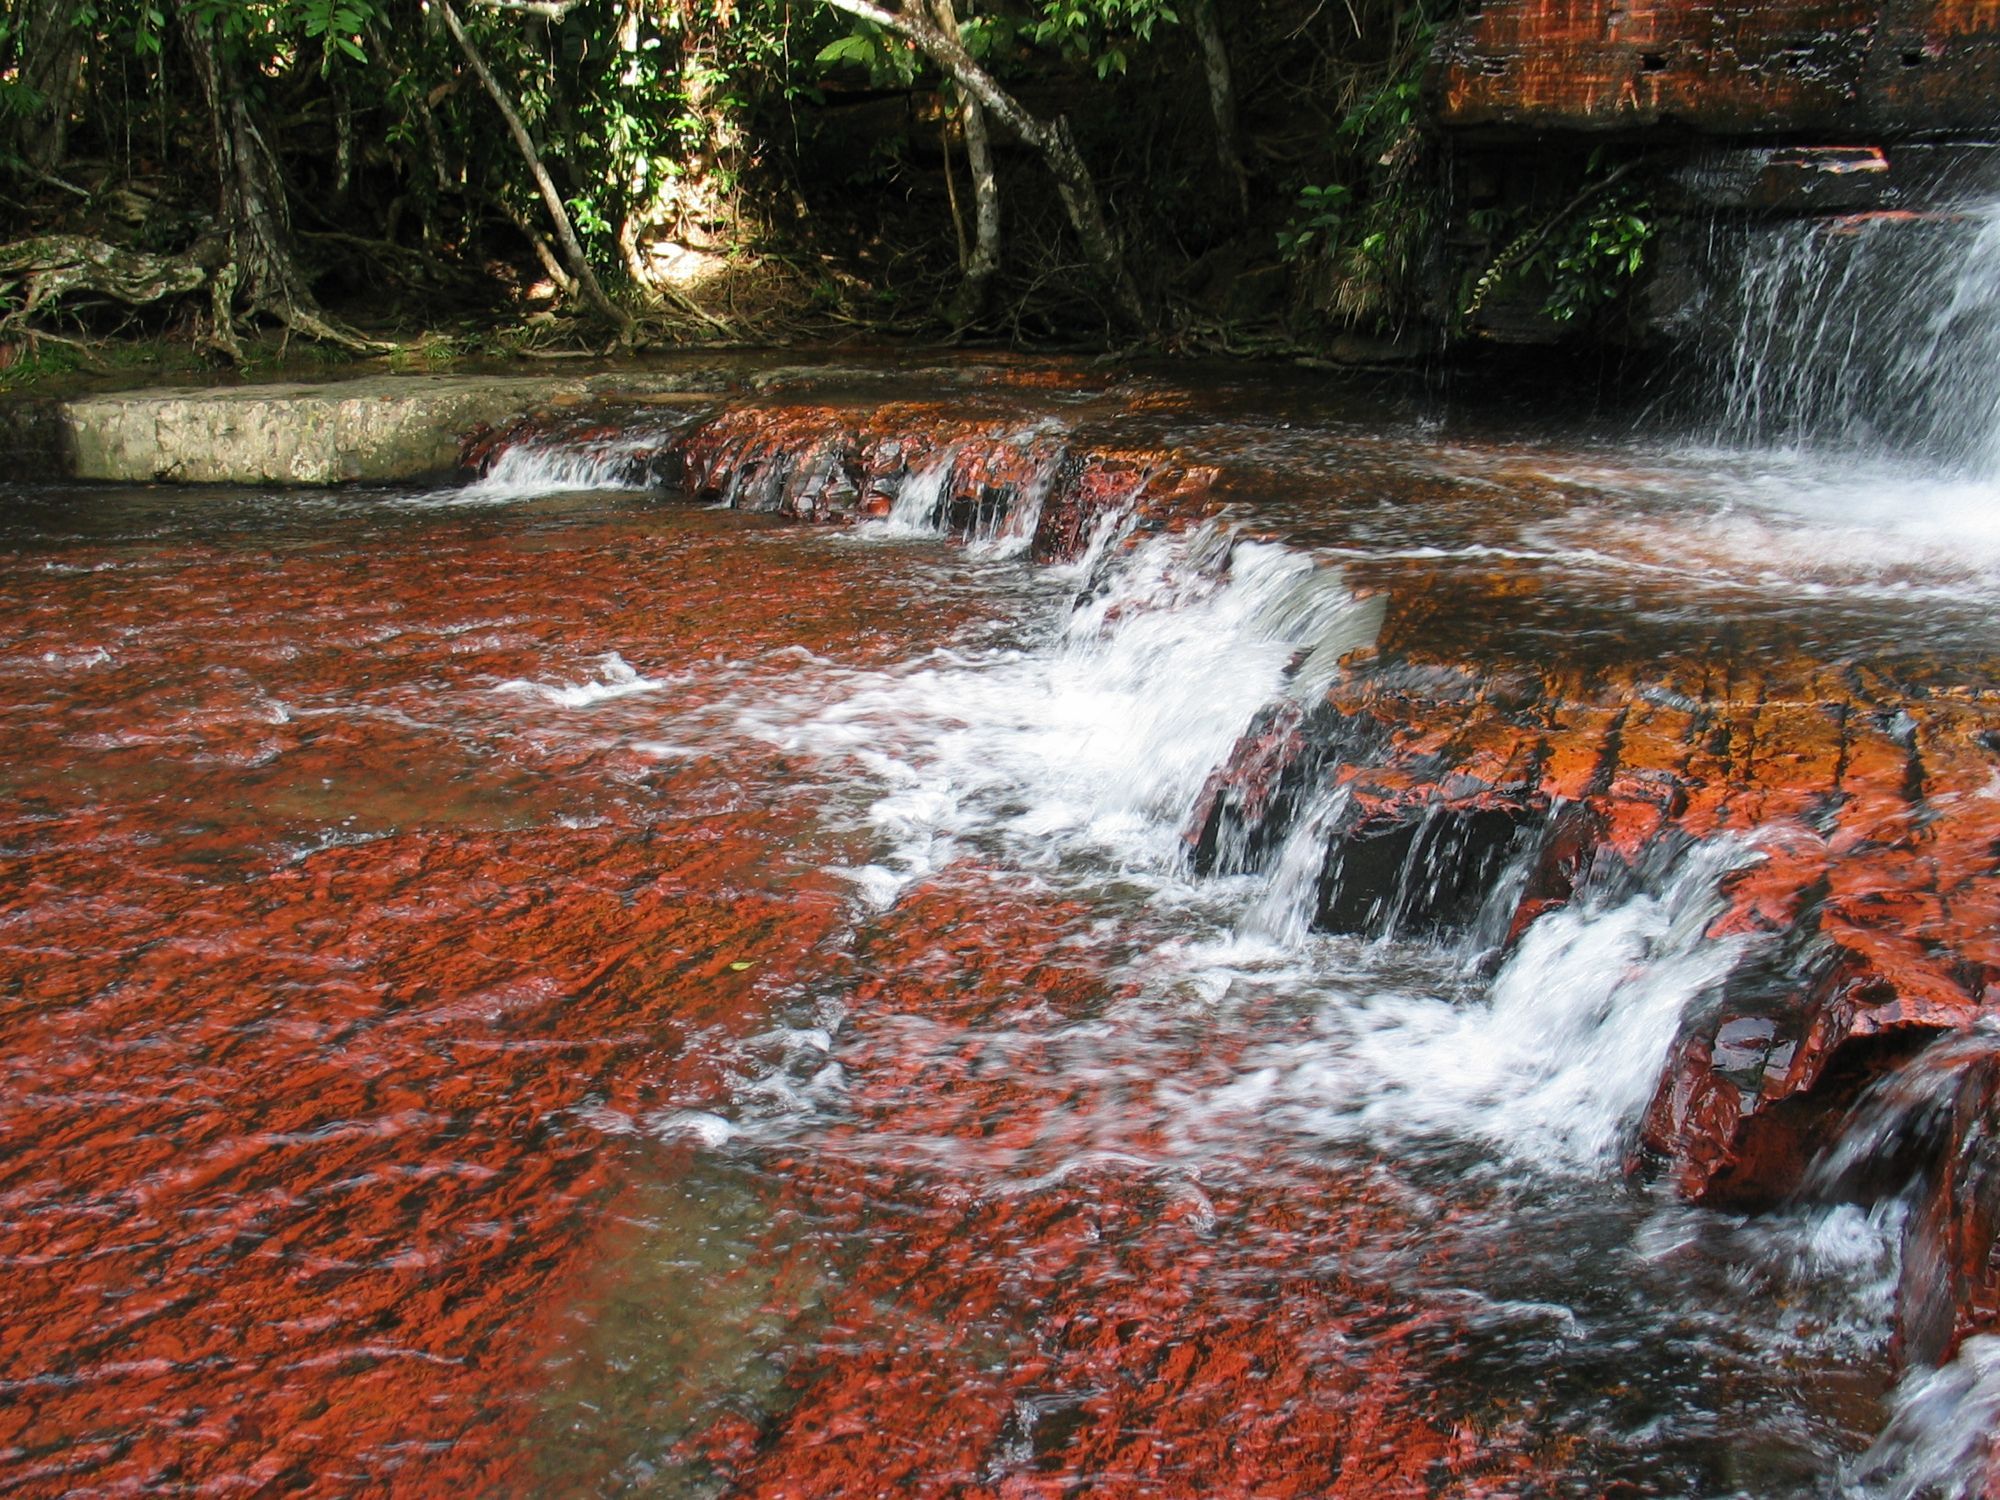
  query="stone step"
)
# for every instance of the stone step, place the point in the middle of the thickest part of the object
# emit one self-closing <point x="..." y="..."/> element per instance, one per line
<point x="369" y="429"/>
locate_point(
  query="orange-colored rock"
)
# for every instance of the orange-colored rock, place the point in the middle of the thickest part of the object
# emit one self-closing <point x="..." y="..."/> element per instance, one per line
<point x="1724" y="67"/>
<point x="824" y="462"/>
<point x="1873" y="891"/>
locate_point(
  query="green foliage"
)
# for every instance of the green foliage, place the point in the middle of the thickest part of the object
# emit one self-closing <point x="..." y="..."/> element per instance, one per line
<point x="1098" y="32"/>
<point x="337" y="24"/>
<point x="1582" y="260"/>
<point x="1385" y="114"/>
<point x="1598" y="260"/>
<point x="890" y="62"/>
<point x="685" y="120"/>
<point x="1361" y="239"/>
<point x="275" y="31"/>
<point x="18" y="100"/>
<point x="991" y="37"/>
<point x="1320" y="217"/>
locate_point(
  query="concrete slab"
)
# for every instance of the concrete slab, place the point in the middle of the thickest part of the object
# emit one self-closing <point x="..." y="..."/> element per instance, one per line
<point x="375" y="428"/>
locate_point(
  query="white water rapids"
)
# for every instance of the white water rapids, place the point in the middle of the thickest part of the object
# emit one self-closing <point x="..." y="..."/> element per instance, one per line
<point x="1076" y="760"/>
<point x="1063" y="750"/>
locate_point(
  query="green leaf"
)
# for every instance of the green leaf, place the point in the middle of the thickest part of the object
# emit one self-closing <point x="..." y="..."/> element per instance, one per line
<point x="852" y="48"/>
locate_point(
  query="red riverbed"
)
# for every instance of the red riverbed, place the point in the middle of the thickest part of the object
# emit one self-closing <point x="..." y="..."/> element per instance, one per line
<point x="322" y="960"/>
<point x="448" y="1048"/>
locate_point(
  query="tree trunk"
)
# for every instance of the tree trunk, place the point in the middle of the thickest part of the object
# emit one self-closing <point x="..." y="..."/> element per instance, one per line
<point x="572" y="247"/>
<point x="262" y="270"/>
<point x="1221" y="99"/>
<point x="49" y="59"/>
<point x="1074" y="184"/>
<point x="45" y="58"/>
<point x="968" y="304"/>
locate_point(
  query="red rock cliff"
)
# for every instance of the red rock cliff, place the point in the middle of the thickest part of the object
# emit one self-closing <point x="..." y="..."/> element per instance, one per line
<point x="1821" y="66"/>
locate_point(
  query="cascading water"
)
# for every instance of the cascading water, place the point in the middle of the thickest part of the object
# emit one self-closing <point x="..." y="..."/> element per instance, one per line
<point x="1238" y="1045"/>
<point x="919" y="503"/>
<point x="1935" y="1444"/>
<point x="1088" y="753"/>
<point x="1857" y="361"/>
<point x="1070" y="760"/>
<point x="1876" y="335"/>
<point x="1102" y="737"/>
<point x="824" y="935"/>
<point x="602" y="461"/>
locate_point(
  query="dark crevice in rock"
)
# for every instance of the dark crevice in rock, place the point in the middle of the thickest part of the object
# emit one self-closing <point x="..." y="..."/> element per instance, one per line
<point x="1419" y="878"/>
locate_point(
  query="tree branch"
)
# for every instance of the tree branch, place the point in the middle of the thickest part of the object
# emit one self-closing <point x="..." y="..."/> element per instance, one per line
<point x="1074" y="183"/>
<point x="949" y="54"/>
<point x="551" y="10"/>
<point x="572" y="247"/>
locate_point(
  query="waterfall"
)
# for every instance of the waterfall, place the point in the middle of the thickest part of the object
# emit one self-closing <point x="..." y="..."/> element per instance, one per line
<point x="920" y="503"/>
<point x="1874" y="334"/>
<point x="596" y="460"/>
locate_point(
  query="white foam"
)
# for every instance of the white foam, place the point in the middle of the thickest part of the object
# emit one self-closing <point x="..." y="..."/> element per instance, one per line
<point x="1786" y="520"/>
<point x="617" y="678"/>
<point x="700" y="1126"/>
<point x="918" y="509"/>
<point x="1940" y="1441"/>
<point x="527" y="471"/>
<point x="1553" y="1064"/>
<point x="76" y="661"/>
<point x="1101" y="741"/>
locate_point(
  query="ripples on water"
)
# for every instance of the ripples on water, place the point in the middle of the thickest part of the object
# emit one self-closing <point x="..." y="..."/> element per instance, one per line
<point x="560" y="991"/>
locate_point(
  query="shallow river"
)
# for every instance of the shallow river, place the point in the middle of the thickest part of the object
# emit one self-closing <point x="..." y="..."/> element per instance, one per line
<point x="527" y="992"/>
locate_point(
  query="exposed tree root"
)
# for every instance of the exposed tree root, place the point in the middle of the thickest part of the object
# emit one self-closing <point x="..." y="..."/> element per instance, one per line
<point x="50" y="267"/>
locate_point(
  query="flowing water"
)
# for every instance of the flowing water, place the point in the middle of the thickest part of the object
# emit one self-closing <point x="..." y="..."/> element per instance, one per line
<point x="543" y="988"/>
<point x="1867" y="333"/>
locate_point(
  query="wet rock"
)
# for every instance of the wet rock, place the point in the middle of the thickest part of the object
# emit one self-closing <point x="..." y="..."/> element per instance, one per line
<point x="1783" y="179"/>
<point x="1464" y="792"/>
<point x="1410" y="878"/>
<point x="34" y="438"/>
<point x="1950" y="1285"/>
<point x="1867" y="896"/>
<point x="1564" y="851"/>
<point x="1821" y="65"/>
<point x="1250" y="793"/>
<point x="983" y="477"/>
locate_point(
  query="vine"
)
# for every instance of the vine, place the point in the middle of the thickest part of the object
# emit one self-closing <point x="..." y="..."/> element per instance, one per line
<point x="1586" y="257"/>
